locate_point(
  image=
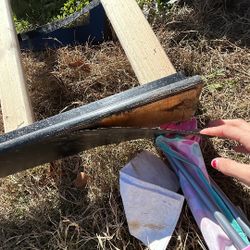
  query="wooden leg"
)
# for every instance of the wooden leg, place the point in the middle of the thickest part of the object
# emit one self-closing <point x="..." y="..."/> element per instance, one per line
<point x="15" y="103"/>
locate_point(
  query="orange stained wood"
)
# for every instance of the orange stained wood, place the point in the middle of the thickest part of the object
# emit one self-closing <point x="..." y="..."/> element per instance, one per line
<point x="174" y="108"/>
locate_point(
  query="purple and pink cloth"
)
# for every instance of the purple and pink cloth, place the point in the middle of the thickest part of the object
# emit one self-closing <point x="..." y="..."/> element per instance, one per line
<point x="185" y="153"/>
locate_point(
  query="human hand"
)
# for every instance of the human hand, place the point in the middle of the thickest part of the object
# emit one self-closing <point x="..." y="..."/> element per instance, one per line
<point x="238" y="130"/>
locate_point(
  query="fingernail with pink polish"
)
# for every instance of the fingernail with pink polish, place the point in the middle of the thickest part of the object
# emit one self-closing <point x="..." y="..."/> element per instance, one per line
<point x="214" y="163"/>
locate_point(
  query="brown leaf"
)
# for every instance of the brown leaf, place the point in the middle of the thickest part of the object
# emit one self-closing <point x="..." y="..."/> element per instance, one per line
<point x="81" y="180"/>
<point x="80" y="64"/>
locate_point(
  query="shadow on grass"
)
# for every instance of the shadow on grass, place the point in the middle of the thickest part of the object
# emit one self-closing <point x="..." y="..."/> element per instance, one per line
<point x="214" y="20"/>
<point x="75" y="222"/>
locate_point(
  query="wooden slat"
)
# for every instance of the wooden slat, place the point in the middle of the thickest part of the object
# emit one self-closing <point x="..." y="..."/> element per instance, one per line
<point x="149" y="62"/>
<point x="144" y="51"/>
<point x="14" y="98"/>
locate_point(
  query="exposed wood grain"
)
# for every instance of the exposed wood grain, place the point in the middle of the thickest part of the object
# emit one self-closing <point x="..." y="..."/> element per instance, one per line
<point x="179" y="107"/>
<point x="14" y="98"/>
<point x="144" y="51"/>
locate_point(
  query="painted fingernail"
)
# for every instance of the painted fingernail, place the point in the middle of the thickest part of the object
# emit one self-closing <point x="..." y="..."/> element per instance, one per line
<point x="214" y="163"/>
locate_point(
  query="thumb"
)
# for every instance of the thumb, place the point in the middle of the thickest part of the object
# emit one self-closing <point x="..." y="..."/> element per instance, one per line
<point x="232" y="168"/>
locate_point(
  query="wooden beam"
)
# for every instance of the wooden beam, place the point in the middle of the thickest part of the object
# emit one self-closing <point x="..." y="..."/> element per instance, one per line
<point x="15" y="103"/>
<point x="67" y="133"/>
<point x="144" y="51"/>
<point x="179" y="107"/>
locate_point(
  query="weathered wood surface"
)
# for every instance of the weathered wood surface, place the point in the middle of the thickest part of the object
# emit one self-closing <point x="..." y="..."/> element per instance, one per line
<point x="179" y="107"/>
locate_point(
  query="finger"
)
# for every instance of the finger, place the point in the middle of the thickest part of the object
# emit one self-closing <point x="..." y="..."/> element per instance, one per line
<point x="232" y="168"/>
<point x="226" y="131"/>
<point x="241" y="149"/>
<point x="240" y="123"/>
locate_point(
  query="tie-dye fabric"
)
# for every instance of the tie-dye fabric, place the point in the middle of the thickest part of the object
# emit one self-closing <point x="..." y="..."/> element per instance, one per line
<point x="185" y="153"/>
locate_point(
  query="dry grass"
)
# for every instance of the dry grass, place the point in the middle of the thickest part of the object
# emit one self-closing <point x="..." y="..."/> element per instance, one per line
<point x="69" y="77"/>
<point x="43" y="210"/>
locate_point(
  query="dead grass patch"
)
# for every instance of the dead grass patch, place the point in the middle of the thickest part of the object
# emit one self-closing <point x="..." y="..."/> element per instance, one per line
<point x="69" y="77"/>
